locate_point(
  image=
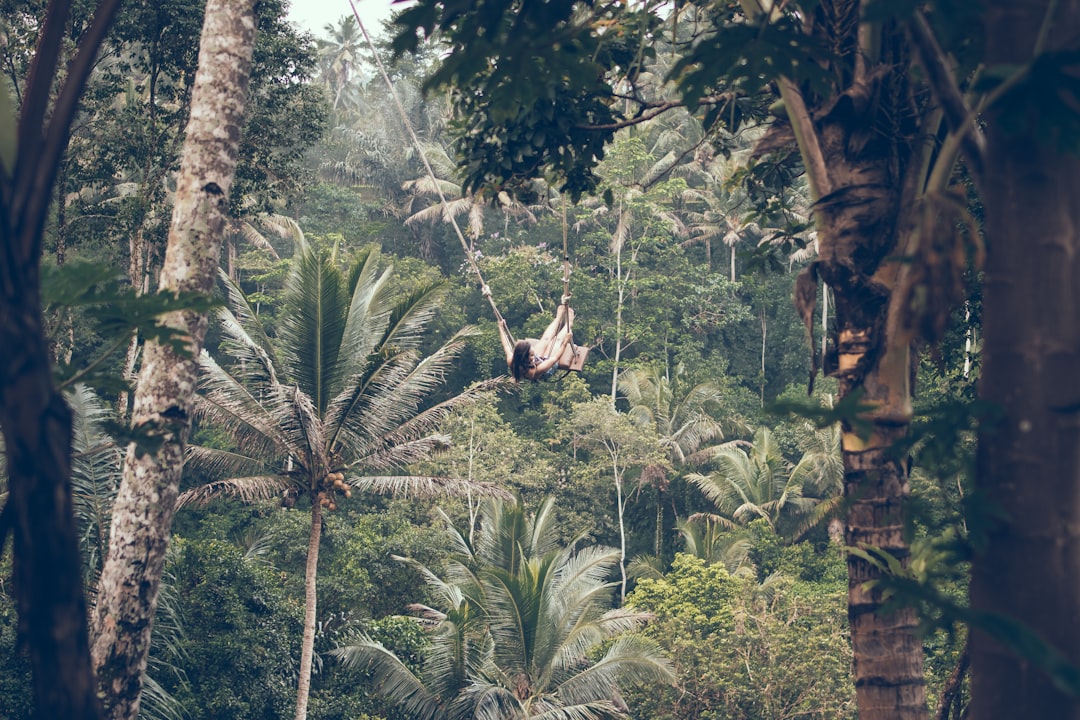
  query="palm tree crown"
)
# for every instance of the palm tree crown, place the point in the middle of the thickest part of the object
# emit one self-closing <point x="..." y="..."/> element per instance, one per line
<point x="518" y="622"/>
<point x="339" y="403"/>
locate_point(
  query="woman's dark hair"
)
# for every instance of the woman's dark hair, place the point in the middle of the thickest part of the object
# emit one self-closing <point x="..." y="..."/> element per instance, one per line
<point x="521" y="363"/>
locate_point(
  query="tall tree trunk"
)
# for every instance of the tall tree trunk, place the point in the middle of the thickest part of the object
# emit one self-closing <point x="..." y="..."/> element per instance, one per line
<point x="862" y="184"/>
<point x="48" y="573"/>
<point x="1029" y="457"/>
<point x="35" y="420"/>
<point x="145" y="504"/>
<point x="888" y="654"/>
<point x="307" y="647"/>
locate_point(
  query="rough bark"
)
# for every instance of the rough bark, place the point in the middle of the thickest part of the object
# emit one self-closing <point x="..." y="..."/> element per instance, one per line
<point x="47" y="568"/>
<point x="1028" y="561"/>
<point x="865" y="187"/>
<point x="307" y="648"/>
<point x="36" y="421"/>
<point x="145" y="503"/>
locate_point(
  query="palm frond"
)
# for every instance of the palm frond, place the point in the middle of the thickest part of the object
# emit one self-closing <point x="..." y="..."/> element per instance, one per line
<point x="442" y="212"/>
<point x="305" y="426"/>
<point x="244" y="328"/>
<point x="248" y="232"/>
<point x="595" y="710"/>
<point x="313" y="325"/>
<point x="370" y="305"/>
<point x="632" y="658"/>
<point x="379" y="409"/>
<point x="426" y="486"/>
<point x="286" y="228"/>
<point x="491" y="701"/>
<point x="96" y="464"/>
<point x="254" y="365"/>
<point x="394" y="448"/>
<point x="392" y="678"/>
<point x="425" y="186"/>
<point x="248" y="489"/>
<point x="217" y="463"/>
<point x="230" y="406"/>
<point x="409" y="319"/>
<point x="155" y="702"/>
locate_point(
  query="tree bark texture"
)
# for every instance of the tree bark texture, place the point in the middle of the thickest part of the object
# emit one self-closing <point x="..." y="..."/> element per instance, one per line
<point x="865" y="187"/>
<point x="47" y="568"/>
<point x="145" y="503"/>
<point x="35" y="420"/>
<point x="1028" y="561"/>
<point x="307" y="648"/>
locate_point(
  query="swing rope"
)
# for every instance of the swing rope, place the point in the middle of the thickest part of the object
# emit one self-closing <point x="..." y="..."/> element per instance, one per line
<point x="431" y="174"/>
<point x="469" y="254"/>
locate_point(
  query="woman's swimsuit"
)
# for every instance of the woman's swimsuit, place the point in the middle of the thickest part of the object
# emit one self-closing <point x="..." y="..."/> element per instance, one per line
<point x="549" y="373"/>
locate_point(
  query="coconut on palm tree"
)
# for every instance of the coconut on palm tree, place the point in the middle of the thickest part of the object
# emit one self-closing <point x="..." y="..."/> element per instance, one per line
<point x="339" y="403"/>
<point x="523" y="630"/>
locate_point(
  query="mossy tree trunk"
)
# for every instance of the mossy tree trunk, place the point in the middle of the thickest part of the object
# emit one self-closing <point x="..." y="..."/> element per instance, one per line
<point x="145" y="504"/>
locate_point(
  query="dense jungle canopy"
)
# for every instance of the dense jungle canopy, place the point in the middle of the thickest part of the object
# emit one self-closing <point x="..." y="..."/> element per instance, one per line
<point x="262" y="453"/>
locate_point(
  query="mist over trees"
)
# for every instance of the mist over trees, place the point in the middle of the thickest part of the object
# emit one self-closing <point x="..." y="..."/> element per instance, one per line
<point x="262" y="456"/>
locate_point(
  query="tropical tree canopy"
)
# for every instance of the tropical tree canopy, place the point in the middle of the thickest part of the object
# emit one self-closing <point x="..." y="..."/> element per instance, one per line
<point x="523" y="629"/>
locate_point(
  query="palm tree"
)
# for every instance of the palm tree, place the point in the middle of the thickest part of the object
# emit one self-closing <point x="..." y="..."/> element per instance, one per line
<point x="458" y="202"/>
<point x="335" y="407"/>
<point x="759" y="484"/>
<point x="820" y="471"/>
<point x="519" y="625"/>
<point x="683" y="422"/>
<point x="339" y="58"/>
<point x="705" y="538"/>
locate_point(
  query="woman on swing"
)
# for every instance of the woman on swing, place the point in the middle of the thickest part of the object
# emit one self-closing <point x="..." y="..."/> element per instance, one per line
<point x="537" y="359"/>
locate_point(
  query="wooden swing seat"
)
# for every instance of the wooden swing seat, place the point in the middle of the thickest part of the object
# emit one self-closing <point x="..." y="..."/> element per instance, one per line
<point x="573" y="358"/>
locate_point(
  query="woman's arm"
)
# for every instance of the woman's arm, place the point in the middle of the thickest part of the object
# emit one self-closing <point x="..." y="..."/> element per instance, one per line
<point x="504" y="338"/>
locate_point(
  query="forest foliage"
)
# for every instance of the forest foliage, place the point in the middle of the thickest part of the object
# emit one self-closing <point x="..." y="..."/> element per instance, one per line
<point x="687" y="455"/>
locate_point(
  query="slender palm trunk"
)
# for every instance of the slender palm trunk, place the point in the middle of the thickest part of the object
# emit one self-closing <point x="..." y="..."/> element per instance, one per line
<point x="146" y="501"/>
<point x="307" y="648"/>
<point x="622" y="532"/>
<point x="859" y="231"/>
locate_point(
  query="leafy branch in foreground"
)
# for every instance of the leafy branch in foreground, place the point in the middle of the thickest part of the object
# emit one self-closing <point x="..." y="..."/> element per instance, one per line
<point x="115" y="313"/>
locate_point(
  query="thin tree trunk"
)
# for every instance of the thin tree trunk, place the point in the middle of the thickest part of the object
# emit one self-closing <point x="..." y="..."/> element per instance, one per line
<point x="36" y="423"/>
<point x="618" y="325"/>
<point x="622" y="531"/>
<point x="137" y="276"/>
<point x="146" y="501"/>
<point x="307" y="648"/>
<point x="824" y="319"/>
<point x="1029" y="456"/>
<point x="950" y="693"/>
<point x="764" y="332"/>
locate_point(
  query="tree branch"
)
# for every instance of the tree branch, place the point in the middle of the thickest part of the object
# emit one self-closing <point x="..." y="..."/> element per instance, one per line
<point x="943" y="84"/>
<point x="651" y="110"/>
<point x="59" y="128"/>
<point x="806" y="137"/>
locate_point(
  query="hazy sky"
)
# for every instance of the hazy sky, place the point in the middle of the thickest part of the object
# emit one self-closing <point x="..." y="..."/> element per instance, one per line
<point x="313" y="15"/>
